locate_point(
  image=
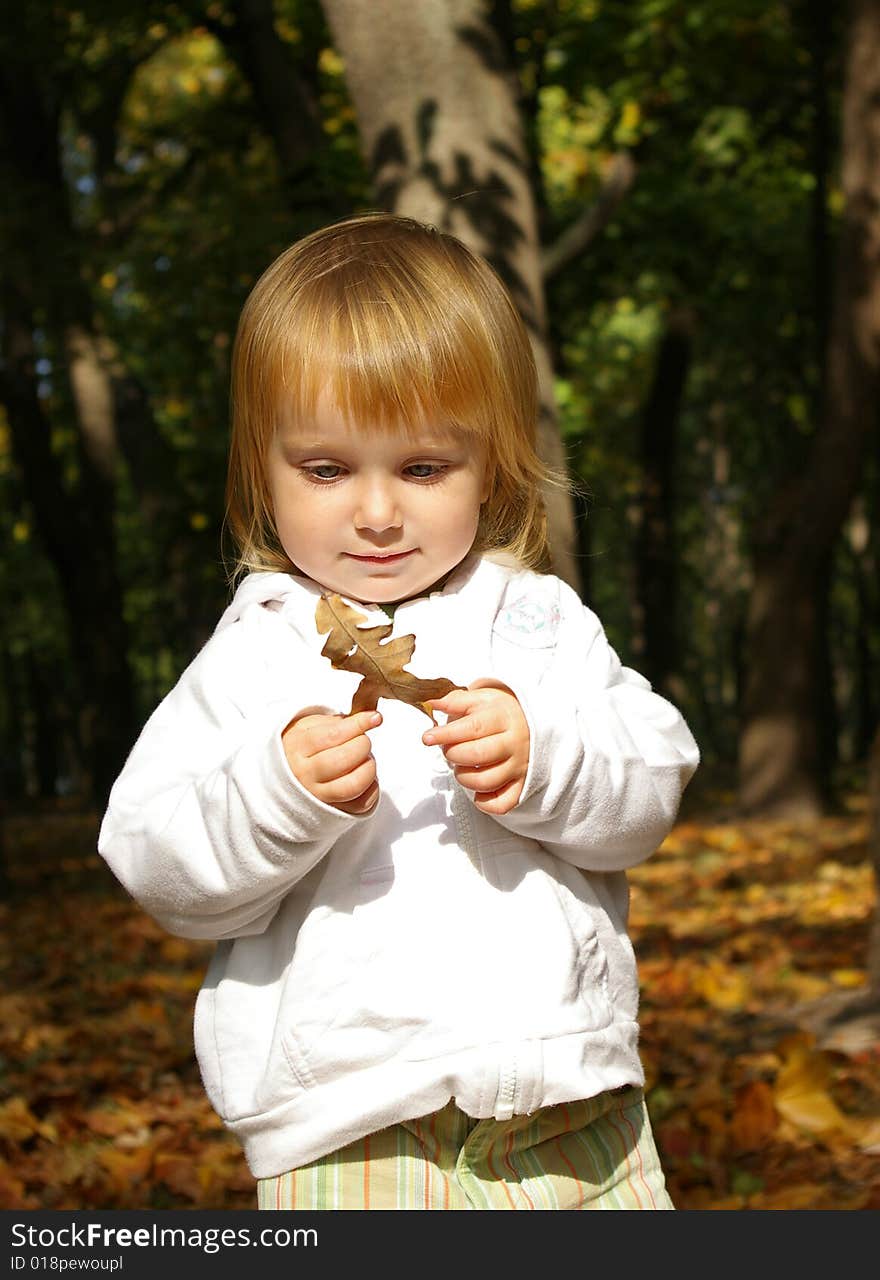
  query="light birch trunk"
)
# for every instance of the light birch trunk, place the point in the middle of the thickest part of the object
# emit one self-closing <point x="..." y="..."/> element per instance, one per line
<point x="438" y="116"/>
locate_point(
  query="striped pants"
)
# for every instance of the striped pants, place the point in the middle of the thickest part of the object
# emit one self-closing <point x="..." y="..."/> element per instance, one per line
<point x="598" y="1153"/>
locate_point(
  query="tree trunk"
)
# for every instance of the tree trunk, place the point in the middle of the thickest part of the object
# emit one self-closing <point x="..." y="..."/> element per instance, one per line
<point x="780" y="763"/>
<point x="873" y="957"/>
<point x="287" y="103"/>
<point x="656" y="558"/>
<point x="46" y="729"/>
<point x="42" y="287"/>
<point x="862" y="555"/>
<point x="286" y="94"/>
<point x="437" y="110"/>
<point x="819" y="36"/>
<point x="783" y="767"/>
<point x="77" y="529"/>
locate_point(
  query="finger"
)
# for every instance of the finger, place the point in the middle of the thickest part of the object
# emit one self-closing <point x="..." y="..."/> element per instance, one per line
<point x="479" y="724"/>
<point x="362" y="804"/>
<point x="456" y="703"/>
<point x="350" y="786"/>
<point x="484" y="780"/>
<point x="333" y="732"/>
<point x="336" y="762"/>
<point x="479" y="752"/>
<point x="500" y="801"/>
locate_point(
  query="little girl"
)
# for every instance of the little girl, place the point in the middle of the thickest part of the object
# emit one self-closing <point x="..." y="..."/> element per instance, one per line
<point x="423" y="993"/>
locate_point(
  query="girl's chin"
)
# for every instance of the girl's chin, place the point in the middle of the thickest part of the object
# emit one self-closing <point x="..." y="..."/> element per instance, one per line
<point x="370" y="583"/>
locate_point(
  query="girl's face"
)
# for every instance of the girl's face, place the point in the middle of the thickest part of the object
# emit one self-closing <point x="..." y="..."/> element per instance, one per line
<point x="376" y="517"/>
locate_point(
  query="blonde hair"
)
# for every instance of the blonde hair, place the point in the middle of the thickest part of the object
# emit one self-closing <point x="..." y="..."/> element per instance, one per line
<point x="398" y="320"/>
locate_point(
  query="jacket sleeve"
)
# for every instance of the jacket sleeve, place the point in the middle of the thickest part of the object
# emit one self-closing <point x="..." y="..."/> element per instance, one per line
<point x="206" y="826"/>
<point x="609" y="758"/>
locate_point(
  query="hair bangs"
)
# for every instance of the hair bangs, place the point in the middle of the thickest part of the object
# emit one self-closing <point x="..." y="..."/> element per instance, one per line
<point x="388" y="362"/>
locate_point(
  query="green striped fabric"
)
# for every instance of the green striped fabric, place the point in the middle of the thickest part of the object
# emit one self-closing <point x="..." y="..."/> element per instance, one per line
<point x="598" y="1153"/>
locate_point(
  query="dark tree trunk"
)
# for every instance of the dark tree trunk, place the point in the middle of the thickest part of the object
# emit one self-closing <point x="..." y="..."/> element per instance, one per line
<point x="287" y="101"/>
<point x="873" y="958"/>
<point x="783" y="742"/>
<point x="865" y="708"/>
<point x="47" y="735"/>
<point x="780" y="759"/>
<point x="863" y="554"/>
<point x="286" y="92"/>
<point x="12" y="773"/>
<point x="656" y="556"/>
<point x="820" y="38"/>
<point x="43" y="287"/>
<point x="77" y="529"/>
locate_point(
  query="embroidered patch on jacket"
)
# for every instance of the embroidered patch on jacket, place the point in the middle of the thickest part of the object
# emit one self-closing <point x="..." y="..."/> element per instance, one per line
<point x="529" y="621"/>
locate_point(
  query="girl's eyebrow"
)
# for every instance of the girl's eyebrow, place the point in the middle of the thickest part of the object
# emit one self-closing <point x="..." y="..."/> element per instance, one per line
<point x="415" y="445"/>
<point x="309" y="444"/>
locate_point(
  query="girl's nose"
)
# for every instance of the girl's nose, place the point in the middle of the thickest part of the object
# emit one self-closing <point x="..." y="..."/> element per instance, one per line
<point x="376" y="506"/>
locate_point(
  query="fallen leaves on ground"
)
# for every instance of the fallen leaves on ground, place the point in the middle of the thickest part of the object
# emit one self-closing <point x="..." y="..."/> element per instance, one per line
<point x="737" y="927"/>
<point x="740" y="928"/>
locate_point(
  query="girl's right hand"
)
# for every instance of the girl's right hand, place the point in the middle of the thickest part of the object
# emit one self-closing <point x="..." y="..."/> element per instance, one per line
<point x="333" y="759"/>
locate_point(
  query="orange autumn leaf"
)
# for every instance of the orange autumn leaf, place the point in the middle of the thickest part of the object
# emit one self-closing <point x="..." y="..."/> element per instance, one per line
<point x="369" y="653"/>
<point x="111" y="1121"/>
<point x="13" y="1194"/>
<point x="754" y="1118"/>
<point x="18" y="1122"/>
<point x="125" y="1167"/>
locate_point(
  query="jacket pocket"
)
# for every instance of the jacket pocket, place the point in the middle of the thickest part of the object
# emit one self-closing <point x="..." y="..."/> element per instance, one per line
<point x="257" y="990"/>
<point x="592" y="959"/>
<point x="420" y="989"/>
<point x="561" y="965"/>
<point x="332" y="969"/>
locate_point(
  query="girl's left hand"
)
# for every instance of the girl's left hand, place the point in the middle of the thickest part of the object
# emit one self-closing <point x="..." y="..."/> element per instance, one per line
<point x="486" y="740"/>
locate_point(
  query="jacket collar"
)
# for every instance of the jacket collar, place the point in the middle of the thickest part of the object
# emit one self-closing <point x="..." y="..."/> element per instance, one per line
<point x="476" y="585"/>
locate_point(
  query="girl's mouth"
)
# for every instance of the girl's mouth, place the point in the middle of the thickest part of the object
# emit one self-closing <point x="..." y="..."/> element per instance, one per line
<point x="380" y="557"/>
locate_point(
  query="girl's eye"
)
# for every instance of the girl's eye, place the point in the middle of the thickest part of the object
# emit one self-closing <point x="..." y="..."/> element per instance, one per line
<point x="324" y="471"/>
<point x="426" y="470"/>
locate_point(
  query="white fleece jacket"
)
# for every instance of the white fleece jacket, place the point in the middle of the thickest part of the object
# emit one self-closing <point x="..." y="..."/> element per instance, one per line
<point x="370" y="968"/>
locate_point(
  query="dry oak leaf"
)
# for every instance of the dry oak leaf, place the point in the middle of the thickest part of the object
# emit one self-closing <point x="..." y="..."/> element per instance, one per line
<point x="359" y="649"/>
<point x="801" y="1092"/>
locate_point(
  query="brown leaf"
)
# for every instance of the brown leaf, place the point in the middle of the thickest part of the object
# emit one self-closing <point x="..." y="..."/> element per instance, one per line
<point x="359" y="649"/>
<point x="754" y="1118"/>
<point x="17" y="1121"/>
<point x="114" y="1117"/>
<point x="181" y="1174"/>
<point x="13" y="1194"/>
<point x="125" y="1167"/>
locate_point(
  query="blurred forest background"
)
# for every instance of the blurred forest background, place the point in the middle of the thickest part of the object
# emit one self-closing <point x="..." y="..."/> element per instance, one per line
<point x="684" y="197"/>
<point x="688" y="224"/>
